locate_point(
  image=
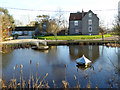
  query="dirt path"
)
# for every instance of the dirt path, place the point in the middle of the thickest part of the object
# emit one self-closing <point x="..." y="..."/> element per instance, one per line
<point x="19" y="41"/>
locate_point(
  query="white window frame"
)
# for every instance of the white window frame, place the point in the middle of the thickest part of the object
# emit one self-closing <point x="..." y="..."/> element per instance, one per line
<point x="90" y="14"/>
<point x="90" y="22"/>
<point x="76" y="31"/>
<point x="90" y="28"/>
<point x="75" y="23"/>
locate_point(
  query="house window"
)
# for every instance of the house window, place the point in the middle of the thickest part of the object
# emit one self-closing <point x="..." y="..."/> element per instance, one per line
<point x="90" y="29"/>
<point x="20" y="32"/>
<point x="76" y="31"/>
<point x="25" y="32"/>
<point x="89" y="22"/>
<point x="75" y="23"/>
<point x="90" y="14"/>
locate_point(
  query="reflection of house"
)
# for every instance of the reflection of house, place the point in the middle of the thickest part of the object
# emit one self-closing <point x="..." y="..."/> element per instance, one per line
<point x="24" y="30"/>
<point x="91" y="52"/>
<point x="83" y="23"/>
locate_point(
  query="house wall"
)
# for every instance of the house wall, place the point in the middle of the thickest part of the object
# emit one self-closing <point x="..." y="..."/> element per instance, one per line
<point x="95" y="24"/>
<point x="72" y="27"/>
<point x="90" y="52"/>
<point x="119" y="9"/>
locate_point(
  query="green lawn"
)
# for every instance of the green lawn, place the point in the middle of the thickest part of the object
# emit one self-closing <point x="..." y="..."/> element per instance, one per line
<point x="72" y="37"/>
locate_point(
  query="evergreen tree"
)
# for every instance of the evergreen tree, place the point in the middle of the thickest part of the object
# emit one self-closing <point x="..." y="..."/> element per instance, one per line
<point x="7" y="23"/>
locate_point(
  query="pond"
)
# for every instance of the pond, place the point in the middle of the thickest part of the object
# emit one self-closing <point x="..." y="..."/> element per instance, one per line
<point x="52" y="61"/>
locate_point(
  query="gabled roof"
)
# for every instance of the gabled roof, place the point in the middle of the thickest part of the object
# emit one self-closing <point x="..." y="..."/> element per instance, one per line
<point x="76" y="16"/>
<point x="83" y="60"/>
<point x="79" y="15"/>
<point x="93" y="13"/>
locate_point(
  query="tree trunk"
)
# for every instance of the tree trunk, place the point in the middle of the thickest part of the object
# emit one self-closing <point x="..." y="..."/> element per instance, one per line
<point x="102" y="36"/>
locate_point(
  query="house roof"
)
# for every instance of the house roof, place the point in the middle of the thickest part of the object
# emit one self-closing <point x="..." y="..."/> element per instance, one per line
<point x="83" y="60"/>
<point x="40" y="30"/>
<point x="76" y="16"/>
<point x="79" y="15"/>
<point x="25" y="28"/>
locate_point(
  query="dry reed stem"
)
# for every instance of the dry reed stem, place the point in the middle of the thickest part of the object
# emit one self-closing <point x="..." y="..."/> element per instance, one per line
<point x="37" y="64"/>
<point x="65" y="71"/>
<point x="65" y="84"/>
<point x="46" y="85"/>
<point x="30" y="75"/>
<point x="36" y="74"/>
<point x="40" y="85"/>
<point x="54" y="83"/>
<point x="75" y="77"/>
<point x="33" y="82"/>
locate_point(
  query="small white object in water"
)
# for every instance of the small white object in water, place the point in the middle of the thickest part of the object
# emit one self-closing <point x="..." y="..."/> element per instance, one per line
<point x="83" y="60"/>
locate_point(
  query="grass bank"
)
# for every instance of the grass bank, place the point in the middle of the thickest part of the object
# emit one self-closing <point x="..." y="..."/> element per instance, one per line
<point x="72" y="37"/>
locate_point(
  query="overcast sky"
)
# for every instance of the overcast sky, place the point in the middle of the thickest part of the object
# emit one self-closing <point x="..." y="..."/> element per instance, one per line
<point x="105" y="9"/>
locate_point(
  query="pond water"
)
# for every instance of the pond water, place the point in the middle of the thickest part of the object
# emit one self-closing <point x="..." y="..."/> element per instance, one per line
<point x="52" y="61"/>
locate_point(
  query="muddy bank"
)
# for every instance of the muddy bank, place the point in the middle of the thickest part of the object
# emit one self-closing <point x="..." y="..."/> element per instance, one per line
<point x="73" y="42"/>
<point x="8" y="46"/>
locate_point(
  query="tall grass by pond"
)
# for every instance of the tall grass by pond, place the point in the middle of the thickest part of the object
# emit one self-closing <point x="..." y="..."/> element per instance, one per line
<point x="38" y="82"/>
<point x="72" y="37"/>
<point x="36" y="74"/>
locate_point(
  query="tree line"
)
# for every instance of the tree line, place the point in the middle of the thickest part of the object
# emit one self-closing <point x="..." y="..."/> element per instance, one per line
<point x="116" y="27"/>
<point x="7" y="23"/>
<point x="44" y="22"/>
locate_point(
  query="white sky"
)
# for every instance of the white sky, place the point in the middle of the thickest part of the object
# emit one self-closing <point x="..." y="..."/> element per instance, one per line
<point x="107" y="16"/>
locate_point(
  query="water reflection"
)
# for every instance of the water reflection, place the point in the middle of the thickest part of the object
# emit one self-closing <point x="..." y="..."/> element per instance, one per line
<point x="83" y="68"/>
<point x="53" y="62"/>
<point x="91" y="52"/>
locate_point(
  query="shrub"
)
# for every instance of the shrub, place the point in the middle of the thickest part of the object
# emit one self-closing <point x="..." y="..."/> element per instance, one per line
<point x="15" y="36"/>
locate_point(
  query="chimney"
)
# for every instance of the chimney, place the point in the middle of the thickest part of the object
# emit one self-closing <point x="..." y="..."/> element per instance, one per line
<point x="82" y="13"/>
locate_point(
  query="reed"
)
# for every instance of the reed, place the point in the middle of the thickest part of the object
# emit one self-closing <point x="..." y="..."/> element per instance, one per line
<point x="65" y="71"/>
<point x="44" y="83"/>
<point x="64" y="82"/>
<point x="30" y="75"/>
<point x="54" y="83"/>
<point x="36" y="83"/>
<point x="14" y="80"/>
<point x="21" y="66"/>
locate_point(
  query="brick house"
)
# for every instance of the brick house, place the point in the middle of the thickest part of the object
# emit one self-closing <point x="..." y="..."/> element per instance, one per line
<point x="83" y="23"/>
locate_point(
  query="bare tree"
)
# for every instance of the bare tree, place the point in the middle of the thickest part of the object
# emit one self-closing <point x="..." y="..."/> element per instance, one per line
<point x="102" y="28"/>
<point x="116" y="27"/>
<point x="59" y="20"/>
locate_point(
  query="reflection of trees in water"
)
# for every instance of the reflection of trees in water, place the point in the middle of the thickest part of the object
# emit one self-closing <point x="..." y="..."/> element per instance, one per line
<point x="6" y="59"/>
<point x="6" y="49"/>
<point x="52" y="54"/>
<point x="55" y="56"/>
<point x="91" y="52"/>
<point x="55" y="62"/>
